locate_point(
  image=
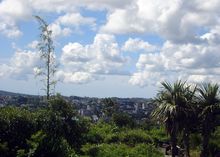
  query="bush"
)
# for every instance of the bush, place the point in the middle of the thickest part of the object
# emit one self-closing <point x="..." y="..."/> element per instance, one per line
<point x="120" y="150"/>
<point x="123" y="120"/>
<point x="214" y="143"/>
<point x="158" y="135"/>
<point x="4" y="150"/>
<point x="17" y="125"/>
<point x="60" y="120"/>
<point x="133" y="137"/>
<point x="101" y="132"/>
<point x="52" y="131"/>
<point x="196" y="140"/>
<point x="42" y="145"/>
<point x="106" y="133"/>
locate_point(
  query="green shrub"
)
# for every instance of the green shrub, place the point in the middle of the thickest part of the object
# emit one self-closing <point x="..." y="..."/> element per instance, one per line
<point x="195" y="153"/>
<point x="120" y="150"/>
<point x="16" y="125"/>
<point x="60" y="120"/>
<point x="4" y="150"/>
<point x="43" y="145"/>
<point x="158" y="135"/>
<point x="51" y="131"/>
<point x="101" y="132"/>
<point x="196" y="140"/>
<point x="133" y="137"/>
<point x="106" y="133"/>
<point x="123" y="120"/>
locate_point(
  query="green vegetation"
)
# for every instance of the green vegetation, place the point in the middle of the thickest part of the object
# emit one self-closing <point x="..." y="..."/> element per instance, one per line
<point x="185" y="122"/>
<point x="120" y="150"/>
<point x="59" y="132"/>
<point x="189" y="110"/>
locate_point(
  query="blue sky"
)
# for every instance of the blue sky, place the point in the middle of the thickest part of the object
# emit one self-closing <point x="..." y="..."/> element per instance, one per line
<point x="110" y="48"/>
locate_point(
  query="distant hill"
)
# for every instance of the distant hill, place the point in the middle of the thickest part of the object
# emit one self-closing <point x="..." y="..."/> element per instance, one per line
<point x="86" y="106"/>
<point x="6" y="93"/>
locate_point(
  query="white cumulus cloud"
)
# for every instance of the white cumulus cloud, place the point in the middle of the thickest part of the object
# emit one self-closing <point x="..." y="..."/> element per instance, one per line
<point x="21" y="65"/>
<point x="196" y="62"/>
<point x="10" y="13"/>
<point x="102" y="57"/>
<point x="174" y="20"/>
<point x="59" y="31"/>
<point x="75" y="19"/>
<point x="76" y="78"/>
<point x="136" y="45"/>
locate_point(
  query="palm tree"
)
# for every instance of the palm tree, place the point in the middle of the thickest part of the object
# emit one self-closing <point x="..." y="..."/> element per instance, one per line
<point x="189" y="119"/>
<point x="208" y="100"/>
<point x="173" y="109"/>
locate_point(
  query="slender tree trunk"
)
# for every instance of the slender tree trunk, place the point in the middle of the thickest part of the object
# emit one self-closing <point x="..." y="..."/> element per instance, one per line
<point x="48" y="73"/>
<point x="48" y="83"/>
<point x="186" y="142"/>
<point x="174" y="150"/>
<point x="205" y="143"/>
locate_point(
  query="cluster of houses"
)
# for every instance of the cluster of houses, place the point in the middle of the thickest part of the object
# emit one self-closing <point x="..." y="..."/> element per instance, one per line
<point x="137" y="108"/>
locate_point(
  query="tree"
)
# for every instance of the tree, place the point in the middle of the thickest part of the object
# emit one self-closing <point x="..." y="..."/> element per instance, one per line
<point x="122" y="119"/>
<point x="208" y="101"/>
<point x="188" y="118"/>
<point x="72" y="127"/>
<point x="173" y="108"/>
<point x="110" y="107"/>
<point x="46" y="49"/>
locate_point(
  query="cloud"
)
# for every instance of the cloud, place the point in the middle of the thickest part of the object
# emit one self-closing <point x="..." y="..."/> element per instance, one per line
<point x="150" y="70"/>
<point x="213" y="36"/>
<point x="10" y="13"/>
<point x="21" y="65"/>
<point x="78" y="63"/>
<point x="70" y="5"/>
<point x="140" y="17"/>
<point x="102" y="57"/>
<point x="192" y="61"/>
<point x="75" y="19"/>
<point x="174" y="20"/>
<point x="136" y="45"/>
<point x="106" y="4"/>
<point x="10" y="30"/>
<point x="144" y="78"/>
<point x="52" y="6"/>
<point x="70" y="22"/>
<point x="33" y="44"/>
<point x="17" y="9"/>
<point x="58" y="31"/>
<point x="189" y="29"/>
<point x="76" y="78"/>
<point x="75" y="52"/>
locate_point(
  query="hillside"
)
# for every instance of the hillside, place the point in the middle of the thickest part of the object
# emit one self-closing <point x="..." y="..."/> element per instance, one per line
<point x="138" y="108"/>
<point x="6" y="93"/>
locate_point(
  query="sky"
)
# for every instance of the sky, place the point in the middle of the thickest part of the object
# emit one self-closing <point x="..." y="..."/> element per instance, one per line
<point x="108" y="48"/>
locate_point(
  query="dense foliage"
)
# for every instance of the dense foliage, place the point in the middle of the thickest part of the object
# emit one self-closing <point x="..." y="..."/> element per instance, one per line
<point x="58" y="131"/>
